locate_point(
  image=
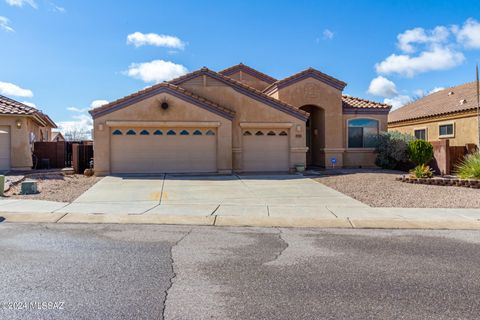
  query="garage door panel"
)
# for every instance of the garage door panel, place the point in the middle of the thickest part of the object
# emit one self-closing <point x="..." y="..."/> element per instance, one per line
<point x="4" y="148"/>
<point x="265" y="150"/>
<point x="163" y="153"/>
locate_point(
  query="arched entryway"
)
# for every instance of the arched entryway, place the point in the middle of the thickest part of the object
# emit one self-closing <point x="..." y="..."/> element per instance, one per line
<point x="315" y="135"/>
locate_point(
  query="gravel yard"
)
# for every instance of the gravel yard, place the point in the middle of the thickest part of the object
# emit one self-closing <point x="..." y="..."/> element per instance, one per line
<point x="378" y="188"/>
<point x="56" y="187"/>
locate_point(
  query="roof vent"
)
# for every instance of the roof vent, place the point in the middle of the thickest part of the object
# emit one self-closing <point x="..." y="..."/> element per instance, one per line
<point x="463" y="101"/>
<point x="451" y="93"/>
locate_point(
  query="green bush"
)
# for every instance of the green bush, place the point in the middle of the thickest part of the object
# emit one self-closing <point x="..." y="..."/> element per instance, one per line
<point x="422" y="171"/>
<point x="469" y="168"/>
<point x="392" y="150"/>
<point x="420" y="151"/>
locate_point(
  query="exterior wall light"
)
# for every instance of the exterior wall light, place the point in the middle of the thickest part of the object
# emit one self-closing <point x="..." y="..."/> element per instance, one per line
<point x="18" y="123"/>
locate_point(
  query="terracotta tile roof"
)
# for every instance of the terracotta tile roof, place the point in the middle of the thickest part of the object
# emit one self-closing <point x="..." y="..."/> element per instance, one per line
<point x="10" y="106"/>
<point x="455" y="99"/>
<point x="143" y="94"/>
<point x="253" y="72"/>
<point x="353" y="102"/>
<point x="303" y="74"/>
<point x="252" y="91"/>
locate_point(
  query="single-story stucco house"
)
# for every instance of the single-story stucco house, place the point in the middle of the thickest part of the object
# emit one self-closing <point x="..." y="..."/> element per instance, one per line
<point x="236" y="120"/>
<point x="20" y="127"/>
<point x="447" y="114"/>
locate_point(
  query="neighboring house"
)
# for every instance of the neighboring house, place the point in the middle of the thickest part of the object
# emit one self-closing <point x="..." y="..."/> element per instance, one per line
<point x="236" y="120"/>
<point x="20" y="126"/>
<point x="446" y="114"/>
<point x="57" y="136"/>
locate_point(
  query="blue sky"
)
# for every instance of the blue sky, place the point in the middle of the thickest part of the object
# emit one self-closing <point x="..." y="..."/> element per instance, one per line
<point x="64" y="55"/>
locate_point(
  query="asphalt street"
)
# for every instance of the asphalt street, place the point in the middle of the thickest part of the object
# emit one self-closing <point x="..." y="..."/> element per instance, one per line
<point x="54" y="271"/>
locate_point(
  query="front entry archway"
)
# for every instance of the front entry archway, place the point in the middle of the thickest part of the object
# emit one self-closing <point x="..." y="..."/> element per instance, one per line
<point x="315" y="135"/>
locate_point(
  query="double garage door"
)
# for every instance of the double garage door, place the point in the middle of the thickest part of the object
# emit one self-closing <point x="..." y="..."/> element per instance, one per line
<point x="163" y="150"/>
<point x="4" y="148"/>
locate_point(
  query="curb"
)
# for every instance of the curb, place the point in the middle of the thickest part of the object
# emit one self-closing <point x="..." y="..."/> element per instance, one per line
<point x="240" y="221"/>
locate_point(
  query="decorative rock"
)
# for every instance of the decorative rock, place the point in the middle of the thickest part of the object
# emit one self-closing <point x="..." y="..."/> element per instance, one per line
<point x="88" y="172"/>
<point x="29" y="187"/>
<point x="68" y="171"/>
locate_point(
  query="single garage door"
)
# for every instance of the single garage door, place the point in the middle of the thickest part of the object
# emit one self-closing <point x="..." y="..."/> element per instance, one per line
<point x="163" y="150"/>
<point x="265" y="150"/>
<point x="4" y="148"/>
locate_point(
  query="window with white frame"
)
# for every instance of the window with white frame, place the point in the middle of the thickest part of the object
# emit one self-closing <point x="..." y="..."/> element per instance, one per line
<point x="420" y="134"/>
<point x="362" y="133"/>
<point x="446" y="130"/>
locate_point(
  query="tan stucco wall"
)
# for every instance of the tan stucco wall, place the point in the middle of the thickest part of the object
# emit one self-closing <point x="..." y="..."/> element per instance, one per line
<point x="149" y="110"/>
<point x="20" y="147"/>
<point x="249" y="110"/>
<point x="249" y="80"/>
<point x="465" y="128"/>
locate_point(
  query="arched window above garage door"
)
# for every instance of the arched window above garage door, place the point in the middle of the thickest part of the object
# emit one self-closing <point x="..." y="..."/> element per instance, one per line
<point x="117" y="133"/>
<point x="271" y="133"/>
<point x="171" y="133"/>
<point x="283" y="133"/>
<point x="197" y="133"/>
<point x="144" y="133"/>
<point x="131" y="132"/>
<point x="210" y="133"/>
<point x="158" y="133"/>
<point x="184" y="133"/>
<point x="259" y="133"/>
<point x="247" y="133"/>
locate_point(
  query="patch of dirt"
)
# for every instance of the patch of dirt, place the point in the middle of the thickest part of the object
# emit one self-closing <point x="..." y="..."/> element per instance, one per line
<point x="55" y="187"/>
<point x="378" y="188"/>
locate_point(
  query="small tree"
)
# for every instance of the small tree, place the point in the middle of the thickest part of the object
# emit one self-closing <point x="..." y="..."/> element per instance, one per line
<point x="420" y="151"/>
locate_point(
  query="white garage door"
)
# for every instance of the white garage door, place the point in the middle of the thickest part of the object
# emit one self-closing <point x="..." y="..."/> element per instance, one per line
<point x="4" y="148"/>
<point x="163" y="150"/>
<point x="265" y="150"/>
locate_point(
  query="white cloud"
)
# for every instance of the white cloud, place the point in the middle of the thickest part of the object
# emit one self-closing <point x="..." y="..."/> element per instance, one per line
<point x="21" y="3"/>
<point x="438" y="58"/>
<point x="5" y="24"/>
<point x="436" y="89"/>
<point x="10" y="89"/>
<point x="80" y="126"/>
<point x="436" y="36"/>
<point x="469" y="34"/>
<point x="59" y="9"/>
<point x="156" y="71"/>
<point x="398" y="101"/>
<point x="139" y="39"/>
<point x="328" y="34"/>
<point x="97" y="103"/>
<point x="30" y="104"/>
<point x="383" y="87"/>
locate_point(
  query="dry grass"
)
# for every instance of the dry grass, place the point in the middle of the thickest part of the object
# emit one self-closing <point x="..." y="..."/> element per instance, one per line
<point x="56" y="187"/>
<point x="378" y="188"/>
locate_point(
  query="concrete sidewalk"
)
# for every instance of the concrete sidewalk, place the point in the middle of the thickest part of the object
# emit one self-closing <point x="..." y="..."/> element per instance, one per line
<point x="288" y="215"/>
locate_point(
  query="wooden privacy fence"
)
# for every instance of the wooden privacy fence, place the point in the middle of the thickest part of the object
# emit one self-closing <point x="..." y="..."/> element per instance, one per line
<point x="446" y="157"/>
<point x="63" y="154"/>
<point x="49" y="155"/>
<point x="82" y="155"/>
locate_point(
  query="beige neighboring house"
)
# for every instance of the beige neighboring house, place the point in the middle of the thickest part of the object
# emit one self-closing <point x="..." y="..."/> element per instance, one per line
<point x="57" y="136"/>
<point x="447" y="114"/>
<point x="20" y="126"/>
<point x="236" y="120"/>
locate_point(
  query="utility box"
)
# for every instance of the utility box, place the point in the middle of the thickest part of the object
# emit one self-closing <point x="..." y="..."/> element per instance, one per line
<point x="2" y="185"/>
<point x="29" y="187"/>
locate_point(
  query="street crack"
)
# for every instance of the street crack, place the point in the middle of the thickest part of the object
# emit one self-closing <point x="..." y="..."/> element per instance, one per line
<point x="284" y="246"/>
<point x="174" y="274"/>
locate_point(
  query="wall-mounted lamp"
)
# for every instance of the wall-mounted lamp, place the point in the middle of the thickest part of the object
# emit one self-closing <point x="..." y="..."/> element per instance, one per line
<point x="18" y="123"/>
<point x="299" y="128"/>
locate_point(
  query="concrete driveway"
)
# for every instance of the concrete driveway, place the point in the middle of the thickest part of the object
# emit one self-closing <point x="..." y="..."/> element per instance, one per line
<point x="259" y="195"/>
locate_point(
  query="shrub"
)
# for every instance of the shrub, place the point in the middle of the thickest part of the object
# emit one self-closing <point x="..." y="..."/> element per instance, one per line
<point x="469" y="167"/>
<point x="420" y="151"/>
<point x="392" y="150"/>
<point x="422" y="171"/>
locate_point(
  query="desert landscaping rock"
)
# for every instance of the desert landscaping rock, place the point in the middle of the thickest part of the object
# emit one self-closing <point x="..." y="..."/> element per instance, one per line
<point x="56" y="187"/>
<point x="379" y="188"/>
